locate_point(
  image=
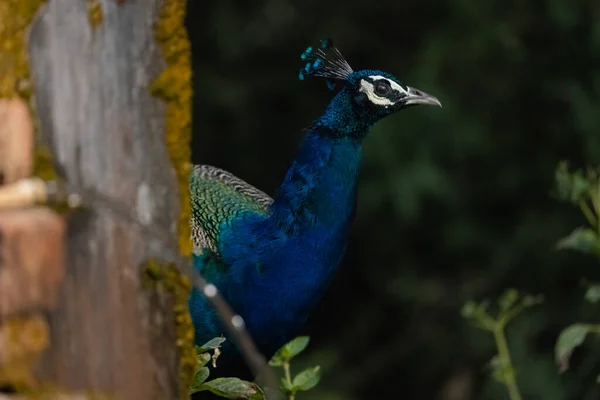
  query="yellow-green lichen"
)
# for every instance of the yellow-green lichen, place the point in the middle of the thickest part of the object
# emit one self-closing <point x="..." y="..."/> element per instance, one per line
<point x="95" y="14"/>
<point x="174" y="86"/>
<point x="15" y="79"/>
<point x="15" y="17"/>
<point x="44" y="167"/>
<point x="155" y="277"/>
<point x="22" y="341"/>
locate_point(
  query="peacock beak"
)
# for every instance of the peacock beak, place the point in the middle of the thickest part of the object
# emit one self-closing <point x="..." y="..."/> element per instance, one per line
<point x="416" y="96"/>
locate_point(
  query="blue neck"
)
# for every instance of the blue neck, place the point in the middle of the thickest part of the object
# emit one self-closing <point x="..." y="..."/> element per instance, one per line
<point x="320" y="186"/>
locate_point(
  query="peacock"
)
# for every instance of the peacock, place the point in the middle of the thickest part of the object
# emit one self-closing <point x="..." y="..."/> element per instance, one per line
<point x="273" y="258"/>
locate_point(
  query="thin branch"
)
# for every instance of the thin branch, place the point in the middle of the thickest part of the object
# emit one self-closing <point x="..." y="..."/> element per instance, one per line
<point x="288" y="379"/>
<point x="504" y="354"/>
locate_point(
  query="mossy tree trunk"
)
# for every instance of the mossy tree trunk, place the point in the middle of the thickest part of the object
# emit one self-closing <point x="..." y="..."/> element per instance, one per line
<point x="92" y="65"/>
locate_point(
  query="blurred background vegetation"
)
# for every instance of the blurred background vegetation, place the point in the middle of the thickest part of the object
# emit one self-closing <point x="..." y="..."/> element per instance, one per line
<point x="454" y="203"/>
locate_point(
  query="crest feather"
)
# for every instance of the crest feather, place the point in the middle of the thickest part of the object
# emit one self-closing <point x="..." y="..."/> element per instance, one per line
<point x="326" y="62"/>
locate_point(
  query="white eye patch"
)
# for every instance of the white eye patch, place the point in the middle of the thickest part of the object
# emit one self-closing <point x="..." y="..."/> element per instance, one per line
<point x="369" y="89"/>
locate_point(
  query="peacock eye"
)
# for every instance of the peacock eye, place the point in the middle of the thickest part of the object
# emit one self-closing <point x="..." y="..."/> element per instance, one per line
<point x="382" y="87"/>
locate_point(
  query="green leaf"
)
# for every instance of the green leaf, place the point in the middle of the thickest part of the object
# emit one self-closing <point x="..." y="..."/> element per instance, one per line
<point x="508" y="299"/>
<point x="478" y="314"/>
<point x="276" y="360"/>
<point x="570" y="186"/>
<point x="202" y="359"/>
<point x="593" y="293"/>
<point x="199" y="379"/>
<point x="289" y="351"/>
<point x="579" y="187"/>
<point x="571" y="337"/>
<point x="584" y="240"/>
<point x="307" y="379"/>
<point x="531" y="300"/>
<point x="474" y="310"/>
<point x="210" y="345"/>
<point x="233" y="388"/>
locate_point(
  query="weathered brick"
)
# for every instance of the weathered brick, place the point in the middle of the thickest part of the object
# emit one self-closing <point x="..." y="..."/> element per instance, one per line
<point x="31" y="259"/>
<point x="16" y="141"/>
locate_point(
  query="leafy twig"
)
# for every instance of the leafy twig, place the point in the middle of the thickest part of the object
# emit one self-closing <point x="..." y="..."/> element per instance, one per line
<point x="576" y="188"/>
<point x="510" y="306"/>
<point x="306" y="379"/>
<point x="509" y="378"/>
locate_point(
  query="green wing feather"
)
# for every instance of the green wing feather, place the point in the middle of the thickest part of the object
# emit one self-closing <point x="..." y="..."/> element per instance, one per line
<point x="218" y="197"/>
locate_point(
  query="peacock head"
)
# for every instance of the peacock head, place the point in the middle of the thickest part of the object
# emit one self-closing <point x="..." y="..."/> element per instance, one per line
<point x="374" y="94"/>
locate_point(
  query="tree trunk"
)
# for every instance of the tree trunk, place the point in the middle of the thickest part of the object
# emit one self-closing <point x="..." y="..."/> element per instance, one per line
<point x="92" y="67"/>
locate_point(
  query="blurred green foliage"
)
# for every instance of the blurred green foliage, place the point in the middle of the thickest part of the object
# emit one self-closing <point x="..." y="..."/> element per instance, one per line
<point x="584" y="191"/>
<point x="510" y="305"/>
<point x="235" y="388"/>
<point x="226" y="387"/>
<point x="304" y="380"/>
<point x="454" y="204"/>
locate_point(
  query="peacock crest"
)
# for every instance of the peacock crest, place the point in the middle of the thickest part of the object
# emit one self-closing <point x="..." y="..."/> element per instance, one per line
<point x="326" y="62"/>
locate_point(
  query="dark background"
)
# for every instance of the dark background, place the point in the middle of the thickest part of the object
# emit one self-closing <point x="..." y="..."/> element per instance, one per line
<point x="454" y="203"/>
